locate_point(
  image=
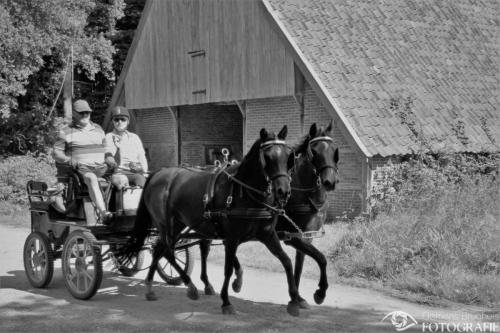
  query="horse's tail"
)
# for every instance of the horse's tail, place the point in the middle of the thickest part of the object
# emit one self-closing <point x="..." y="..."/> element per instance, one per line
<point x="142" y="226"/>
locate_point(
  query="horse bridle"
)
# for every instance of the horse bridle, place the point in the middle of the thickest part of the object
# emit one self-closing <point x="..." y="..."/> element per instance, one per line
<point x="269" y="179"/>
<point x="310" y="156"/>
<point x="263" y="147"/>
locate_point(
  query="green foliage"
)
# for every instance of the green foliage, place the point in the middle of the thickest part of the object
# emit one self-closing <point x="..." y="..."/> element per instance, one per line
<point x="447" y="245"/>
<point x="125" y="29"/>
<point x="37" y="37"/>
<point x="435" y="223"/>
<point x="420" y="179"/>
<point x="435" y="229"/>
<point x="16" y="171"/>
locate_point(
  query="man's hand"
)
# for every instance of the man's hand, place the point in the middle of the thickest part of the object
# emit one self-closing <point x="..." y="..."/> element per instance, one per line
<point x="136" y="167"/>
<point x="110" y="162"/>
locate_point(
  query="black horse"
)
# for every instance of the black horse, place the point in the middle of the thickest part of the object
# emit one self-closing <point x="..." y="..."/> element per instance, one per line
<point x="314" y="173"/>
<point x="241" y="210"/>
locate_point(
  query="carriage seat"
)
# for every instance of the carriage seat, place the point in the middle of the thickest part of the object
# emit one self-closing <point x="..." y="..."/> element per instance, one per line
<point x="38" y="195"/>
<point x="79" y="188"/>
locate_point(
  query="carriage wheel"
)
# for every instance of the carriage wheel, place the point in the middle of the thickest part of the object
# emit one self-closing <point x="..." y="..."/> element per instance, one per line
<point x="38" y="259"/>
<point x="132" y="267"/>
<point x="82" y="264"/>
<point x="185" y="259"/>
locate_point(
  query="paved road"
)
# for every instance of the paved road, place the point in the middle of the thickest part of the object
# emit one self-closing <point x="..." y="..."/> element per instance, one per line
<point x="120" y="306"/>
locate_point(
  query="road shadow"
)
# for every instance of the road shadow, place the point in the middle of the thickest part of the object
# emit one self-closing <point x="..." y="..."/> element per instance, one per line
<point x="120" y="305"/>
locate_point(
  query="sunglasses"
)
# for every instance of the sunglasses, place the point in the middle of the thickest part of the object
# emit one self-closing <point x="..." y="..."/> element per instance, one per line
<point x="83" y="113"/>
<point x="120" y="119"/>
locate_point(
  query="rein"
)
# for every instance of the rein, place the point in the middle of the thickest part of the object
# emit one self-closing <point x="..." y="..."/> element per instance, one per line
<point x="262" y="160"/>
<point x="255" y="212"/>
<point x="236" y="180"/>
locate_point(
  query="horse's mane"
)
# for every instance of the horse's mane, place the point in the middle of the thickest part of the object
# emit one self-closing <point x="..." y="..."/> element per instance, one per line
<point x="252" y="155"/>
<point x="301" y="146"/>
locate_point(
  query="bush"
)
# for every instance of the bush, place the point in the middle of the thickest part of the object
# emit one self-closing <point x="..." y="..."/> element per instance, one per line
<point x="16" y="171"/>
<point x="436" y="231"/>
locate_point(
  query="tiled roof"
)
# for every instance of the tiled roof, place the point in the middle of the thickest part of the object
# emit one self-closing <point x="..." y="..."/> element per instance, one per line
<point x="442" y="55"/>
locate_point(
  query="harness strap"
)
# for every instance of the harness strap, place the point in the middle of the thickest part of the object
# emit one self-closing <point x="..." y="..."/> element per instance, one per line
<point x="209" y="192"/>
<point x="239" y="182"/>
<point x="300" y="209"/>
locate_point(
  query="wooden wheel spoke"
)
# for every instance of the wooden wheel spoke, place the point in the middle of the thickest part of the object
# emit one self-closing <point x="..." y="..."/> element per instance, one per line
<point x="70" y="277"/>
<point x="78" y="279"/>
<point x="87" y="279"/>
<point x="182" y="263"/>
<point x="87" y="275"/>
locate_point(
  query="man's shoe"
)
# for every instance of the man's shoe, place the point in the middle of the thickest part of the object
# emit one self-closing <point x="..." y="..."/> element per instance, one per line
<point x="106" y="217"/>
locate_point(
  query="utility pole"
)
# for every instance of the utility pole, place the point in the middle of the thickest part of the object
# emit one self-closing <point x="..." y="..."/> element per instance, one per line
<point x="68" y="91"/>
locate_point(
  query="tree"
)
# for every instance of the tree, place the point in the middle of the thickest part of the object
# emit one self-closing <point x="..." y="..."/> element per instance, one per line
<point x="37" y="37"/>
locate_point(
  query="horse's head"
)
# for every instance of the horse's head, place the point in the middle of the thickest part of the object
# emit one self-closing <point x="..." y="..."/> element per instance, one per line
<point x="274" y="158"/>
<point x="323" y="155"/>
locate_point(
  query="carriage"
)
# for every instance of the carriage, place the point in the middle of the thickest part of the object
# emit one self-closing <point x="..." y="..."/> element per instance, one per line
<point x="247" y="202"/>
<point x="82" y="243"/>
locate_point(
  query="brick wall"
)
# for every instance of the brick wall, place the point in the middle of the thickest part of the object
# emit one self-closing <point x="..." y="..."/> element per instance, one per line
<point x="158" y="131"/>
<point x="347" y="196"/>
<point x="273" y="113"/>
<point x="209" y="127"/>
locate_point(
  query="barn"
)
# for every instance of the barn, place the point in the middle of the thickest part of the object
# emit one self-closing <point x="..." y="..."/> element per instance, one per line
<point x="205" y="74"/>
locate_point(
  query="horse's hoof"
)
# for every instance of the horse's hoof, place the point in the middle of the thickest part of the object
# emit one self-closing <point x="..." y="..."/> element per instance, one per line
<point x="209" y="290"/>
<point x="319" y="296"/>
<point x="293" y="309"/>
<point x="192" y="292"/>
<point x="228" y="309"/>
<point x="304" y="305"/>
<point x="151" y="296"/>
<point x="237" y="283"/>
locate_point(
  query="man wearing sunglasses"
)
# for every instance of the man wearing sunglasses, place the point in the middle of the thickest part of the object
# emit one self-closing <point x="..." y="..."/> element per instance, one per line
<point x="125" y="152"/>
<point x="81" y="146"/>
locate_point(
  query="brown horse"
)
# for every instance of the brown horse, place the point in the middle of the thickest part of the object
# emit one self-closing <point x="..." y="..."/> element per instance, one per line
<point x="241" y="210"/>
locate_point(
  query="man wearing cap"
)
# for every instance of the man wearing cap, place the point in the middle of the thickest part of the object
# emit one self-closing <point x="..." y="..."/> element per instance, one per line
<point x="81" y="145"/>
<point x="126" y="149"/>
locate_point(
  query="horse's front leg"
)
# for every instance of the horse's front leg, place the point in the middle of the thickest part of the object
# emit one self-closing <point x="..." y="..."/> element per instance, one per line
<point x="204" y="251"/>
<point x="272" y="242"/>
<point x="299" y="264"/>
<point x="238" y="271"/>
<point x="306" y="247"/>
<point x="230" y="253"/>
